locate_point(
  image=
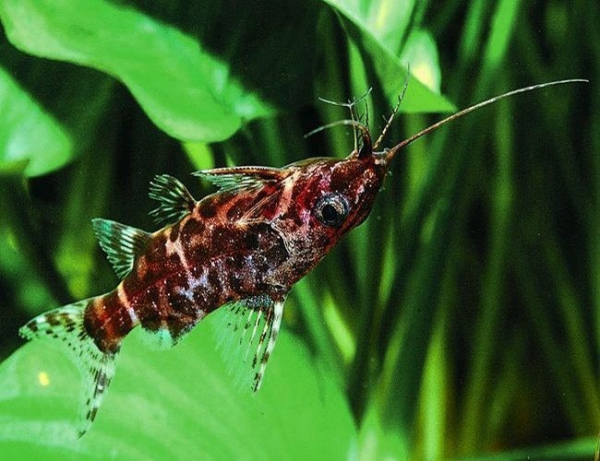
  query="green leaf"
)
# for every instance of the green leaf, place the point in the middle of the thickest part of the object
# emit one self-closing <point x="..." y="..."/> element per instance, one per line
<point x="175" y="404"/>
<point x="49" y="110"/>
<point x="384" y="20"/>
<point x="376" y="439"/>
<point x="26" y="127"/>
<point x="421" y="52"/>
<point x="197" y="71"/>
<point x="379" y="28"/>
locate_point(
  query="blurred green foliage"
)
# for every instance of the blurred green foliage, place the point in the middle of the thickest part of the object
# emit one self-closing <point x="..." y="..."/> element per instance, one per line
<point x="460" y="320"/>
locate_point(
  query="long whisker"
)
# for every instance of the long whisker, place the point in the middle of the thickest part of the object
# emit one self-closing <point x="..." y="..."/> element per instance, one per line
<point x="390" y="153"/>
<point x="395" y="109"/>
<point x="350" y="105"/>
<point x="367" y="148"/>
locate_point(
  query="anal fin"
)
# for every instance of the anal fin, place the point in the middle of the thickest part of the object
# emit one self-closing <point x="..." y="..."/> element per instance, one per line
<point x="121" y="244"/>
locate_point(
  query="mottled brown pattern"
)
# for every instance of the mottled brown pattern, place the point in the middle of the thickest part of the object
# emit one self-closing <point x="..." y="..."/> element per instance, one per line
<point x="208" y="210"/>
<point x="106" y="320"/>
<point x="234" y="245"/>
<point x="174" y="234"/>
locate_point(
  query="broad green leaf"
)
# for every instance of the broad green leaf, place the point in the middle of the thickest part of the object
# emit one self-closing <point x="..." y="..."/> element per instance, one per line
<point x="49" y="110"/>
<point x="385" y="20"/>
<point x="421" y="52"/>
<point x="175" y="404"/>
<point x="25" y="128"/>
<point x="379" y="29"/>
<point x="198" y="71"/>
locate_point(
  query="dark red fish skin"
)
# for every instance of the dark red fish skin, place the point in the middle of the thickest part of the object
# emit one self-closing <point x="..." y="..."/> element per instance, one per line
<point x="235" y="245"/>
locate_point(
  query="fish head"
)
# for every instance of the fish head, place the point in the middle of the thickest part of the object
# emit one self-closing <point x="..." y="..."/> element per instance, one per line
<point x="322" y="199"/>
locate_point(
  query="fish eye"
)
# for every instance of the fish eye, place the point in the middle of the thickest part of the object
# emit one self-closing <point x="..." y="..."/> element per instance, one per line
<point x="332" y="209"/>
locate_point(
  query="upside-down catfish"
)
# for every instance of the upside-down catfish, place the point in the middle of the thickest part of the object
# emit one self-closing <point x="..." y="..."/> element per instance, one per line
<point x="243" y="247"/>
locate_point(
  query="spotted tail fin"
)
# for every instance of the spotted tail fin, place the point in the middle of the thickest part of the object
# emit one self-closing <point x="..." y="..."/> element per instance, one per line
<point x="66" y="325"/>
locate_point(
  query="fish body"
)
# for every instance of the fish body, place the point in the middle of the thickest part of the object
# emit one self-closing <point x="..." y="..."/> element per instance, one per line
<point x="243" y="247"/>
<point x="255" y="241"/>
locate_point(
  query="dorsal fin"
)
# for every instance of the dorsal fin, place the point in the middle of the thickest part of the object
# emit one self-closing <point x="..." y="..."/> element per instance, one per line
<point x="175" y="200"/>
<point x="241" y="178"/>
<point x="121" y="244"/>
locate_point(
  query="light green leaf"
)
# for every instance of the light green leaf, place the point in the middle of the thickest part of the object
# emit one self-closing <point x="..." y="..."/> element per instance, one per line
<point x="198" y="80"/>
<point x="421" y="52"/>
<point x="49" y="110"/>
<point x="379" y="30"/>
<point x="385" y="20"/>
<point x="26" y="128"/>
<point x="378" y="441"/>
<point x="175" y="404"/>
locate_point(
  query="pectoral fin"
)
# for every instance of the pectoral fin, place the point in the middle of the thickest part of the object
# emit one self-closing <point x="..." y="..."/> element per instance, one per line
<point x="248" y="333"/>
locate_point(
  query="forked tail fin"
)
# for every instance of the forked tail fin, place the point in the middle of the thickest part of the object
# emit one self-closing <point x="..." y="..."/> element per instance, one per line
<point x="66" y="325"/>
